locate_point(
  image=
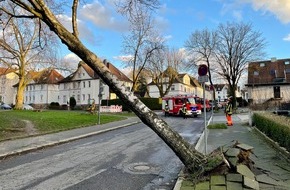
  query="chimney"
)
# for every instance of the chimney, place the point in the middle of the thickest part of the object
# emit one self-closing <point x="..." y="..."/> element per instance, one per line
<point x="273" y="59"/>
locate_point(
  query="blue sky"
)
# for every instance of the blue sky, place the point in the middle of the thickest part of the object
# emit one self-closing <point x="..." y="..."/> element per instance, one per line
<point x="101" y="27"/>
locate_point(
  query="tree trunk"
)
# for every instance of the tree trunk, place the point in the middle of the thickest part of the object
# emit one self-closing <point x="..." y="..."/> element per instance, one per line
<point x="20" y="95"/>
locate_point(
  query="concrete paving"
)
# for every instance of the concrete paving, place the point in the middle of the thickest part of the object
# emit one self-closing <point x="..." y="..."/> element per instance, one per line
<point x="272" y="168"/>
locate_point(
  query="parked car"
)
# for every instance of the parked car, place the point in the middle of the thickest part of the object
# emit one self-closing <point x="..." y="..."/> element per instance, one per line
<point x="6" y="107"/>
<point x="27" y="107"/>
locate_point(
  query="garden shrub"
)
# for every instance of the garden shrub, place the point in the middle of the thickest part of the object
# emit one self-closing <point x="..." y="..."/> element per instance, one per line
<point x="275" y="127"/>
<point x="54" y="106"/>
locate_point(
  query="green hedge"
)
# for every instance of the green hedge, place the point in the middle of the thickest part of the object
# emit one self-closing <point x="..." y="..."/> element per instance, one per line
<point x="275" y="127"/>
<point x="152" y="103"/>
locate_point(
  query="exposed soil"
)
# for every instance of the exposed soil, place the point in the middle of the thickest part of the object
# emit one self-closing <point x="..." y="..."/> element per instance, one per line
<point x="30" y="128"/>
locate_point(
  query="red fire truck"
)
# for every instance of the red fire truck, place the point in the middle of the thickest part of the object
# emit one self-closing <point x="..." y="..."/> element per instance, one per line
<point x="176" y="102"/>
<point x="199" y="102"/>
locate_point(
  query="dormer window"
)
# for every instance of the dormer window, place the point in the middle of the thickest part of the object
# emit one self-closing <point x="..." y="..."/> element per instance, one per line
<point x="262" y="64"/>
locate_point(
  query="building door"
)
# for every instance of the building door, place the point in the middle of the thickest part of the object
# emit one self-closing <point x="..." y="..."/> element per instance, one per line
<point x="277" y="92"/>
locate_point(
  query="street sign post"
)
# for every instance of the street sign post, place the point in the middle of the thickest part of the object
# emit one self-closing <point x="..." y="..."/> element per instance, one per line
<point x="202" y="72"/>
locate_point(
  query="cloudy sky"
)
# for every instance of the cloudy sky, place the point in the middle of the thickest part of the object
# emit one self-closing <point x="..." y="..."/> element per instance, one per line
<point x="102" y="28"/>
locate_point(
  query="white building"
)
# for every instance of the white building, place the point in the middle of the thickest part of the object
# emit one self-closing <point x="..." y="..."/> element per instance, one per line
<point x="8" y="78"/>
<point x="85" y="85"/>
<point x="43" y="88"/>
<point x="183" y="84"/>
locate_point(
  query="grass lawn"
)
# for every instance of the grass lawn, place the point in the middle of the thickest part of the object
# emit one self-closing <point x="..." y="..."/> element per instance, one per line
<point x="15" y="123"/>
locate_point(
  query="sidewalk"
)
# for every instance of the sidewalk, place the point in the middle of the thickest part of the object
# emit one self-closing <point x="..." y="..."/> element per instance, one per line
<point x="272" y="168"/>
<point x="13" y="147"/>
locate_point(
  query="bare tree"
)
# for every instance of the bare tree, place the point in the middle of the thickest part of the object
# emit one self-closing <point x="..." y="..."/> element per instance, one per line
<point x="237" y="45"/>
<point x="164" y="67"/>
<point x="24" y="46"/>
<point x="202" y="45"/>
<point x="141" y="42"/>
<point x="192" y="159"/>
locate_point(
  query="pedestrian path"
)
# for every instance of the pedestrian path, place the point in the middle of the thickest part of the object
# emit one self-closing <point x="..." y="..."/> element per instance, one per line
<point x="13" y="147"/>
<point x="272" y="169"/>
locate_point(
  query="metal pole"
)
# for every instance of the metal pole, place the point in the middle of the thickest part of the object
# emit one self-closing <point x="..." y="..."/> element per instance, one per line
<point x="99" y="110"/>
<point x="99" y="106"/>
<point x="205" y="124"/>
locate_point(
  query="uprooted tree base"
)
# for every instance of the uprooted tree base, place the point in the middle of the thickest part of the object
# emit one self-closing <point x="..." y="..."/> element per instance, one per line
<point x="223" y="160"/>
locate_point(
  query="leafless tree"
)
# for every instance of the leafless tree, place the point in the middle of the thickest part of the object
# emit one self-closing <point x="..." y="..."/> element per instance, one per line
<point x="238" y="44"/>
<point x="192" y="159"/>
<point x="164" y="67"/>
<point x="141" y="42"/>
<point x="202" y="44"/>
<point x="25" y="45"/>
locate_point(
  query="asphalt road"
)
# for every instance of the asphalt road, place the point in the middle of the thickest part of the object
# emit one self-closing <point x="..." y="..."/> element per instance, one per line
<point x="130" y="158"/>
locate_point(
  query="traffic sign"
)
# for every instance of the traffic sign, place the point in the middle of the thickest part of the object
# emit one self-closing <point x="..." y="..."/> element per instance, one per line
<point x="202" y="79"/>
<point x="202" y="70"/>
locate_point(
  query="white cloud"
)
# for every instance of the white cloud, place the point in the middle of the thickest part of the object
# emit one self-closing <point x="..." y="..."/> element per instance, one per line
<point x="280" y="8"/>
<point x="238" y="15"/>
<point x="124" y="58"/>
<point x="71" y="58"/>
<point x="84" y="31"/>
<point x="287" y="38"/>
<point x="103" y="16"/>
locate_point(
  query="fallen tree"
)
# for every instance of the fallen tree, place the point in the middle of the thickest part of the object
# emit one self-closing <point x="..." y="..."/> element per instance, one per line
<point x="196" y="162"/>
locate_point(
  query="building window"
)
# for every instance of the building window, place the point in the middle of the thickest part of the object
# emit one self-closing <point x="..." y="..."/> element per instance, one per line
<point x="262" y="64"/>
<point x="89" y="96"/>
<point x="287" y="70"/>
<point x="41" y="87"/>
<point x="277" y="93"/>
<point x="64" y="99"/>
<point x="84" y="84"/>
<point x="84" y="97"/>
<point x="172" y="87"/>
<point x="41" y="97"/>
<point x="287" y="62"/>
<point x="79" y="97"/>
<point x="256" y="73"/>
<point x="89" y="84"/>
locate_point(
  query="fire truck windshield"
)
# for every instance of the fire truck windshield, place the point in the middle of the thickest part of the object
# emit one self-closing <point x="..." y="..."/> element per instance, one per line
<point x="191" y="100"/>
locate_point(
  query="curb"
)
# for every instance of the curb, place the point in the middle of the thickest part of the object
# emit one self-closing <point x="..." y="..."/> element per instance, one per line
<point x="30" y="149"/>
<point x="198" y="146"/>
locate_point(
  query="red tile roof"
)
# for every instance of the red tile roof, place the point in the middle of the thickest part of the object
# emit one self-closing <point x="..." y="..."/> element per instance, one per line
<point x="121" y="76"/>
<point x="4" y="71"/>
<point x="269" y="72"/>
<point x="48" y="76"/>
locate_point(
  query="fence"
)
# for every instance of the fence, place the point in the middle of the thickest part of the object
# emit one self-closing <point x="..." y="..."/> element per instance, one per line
<point x="112" y="108"/>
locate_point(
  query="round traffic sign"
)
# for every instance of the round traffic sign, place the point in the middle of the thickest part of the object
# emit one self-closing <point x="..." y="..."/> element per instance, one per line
<point x="202" y="70"/>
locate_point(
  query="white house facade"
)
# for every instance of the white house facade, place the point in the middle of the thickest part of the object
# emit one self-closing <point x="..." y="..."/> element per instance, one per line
<point x="182" y="85"/>
<point x="8" y="78"/>
<point x="43" y="88"/>
<point x="86" y="86"/>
